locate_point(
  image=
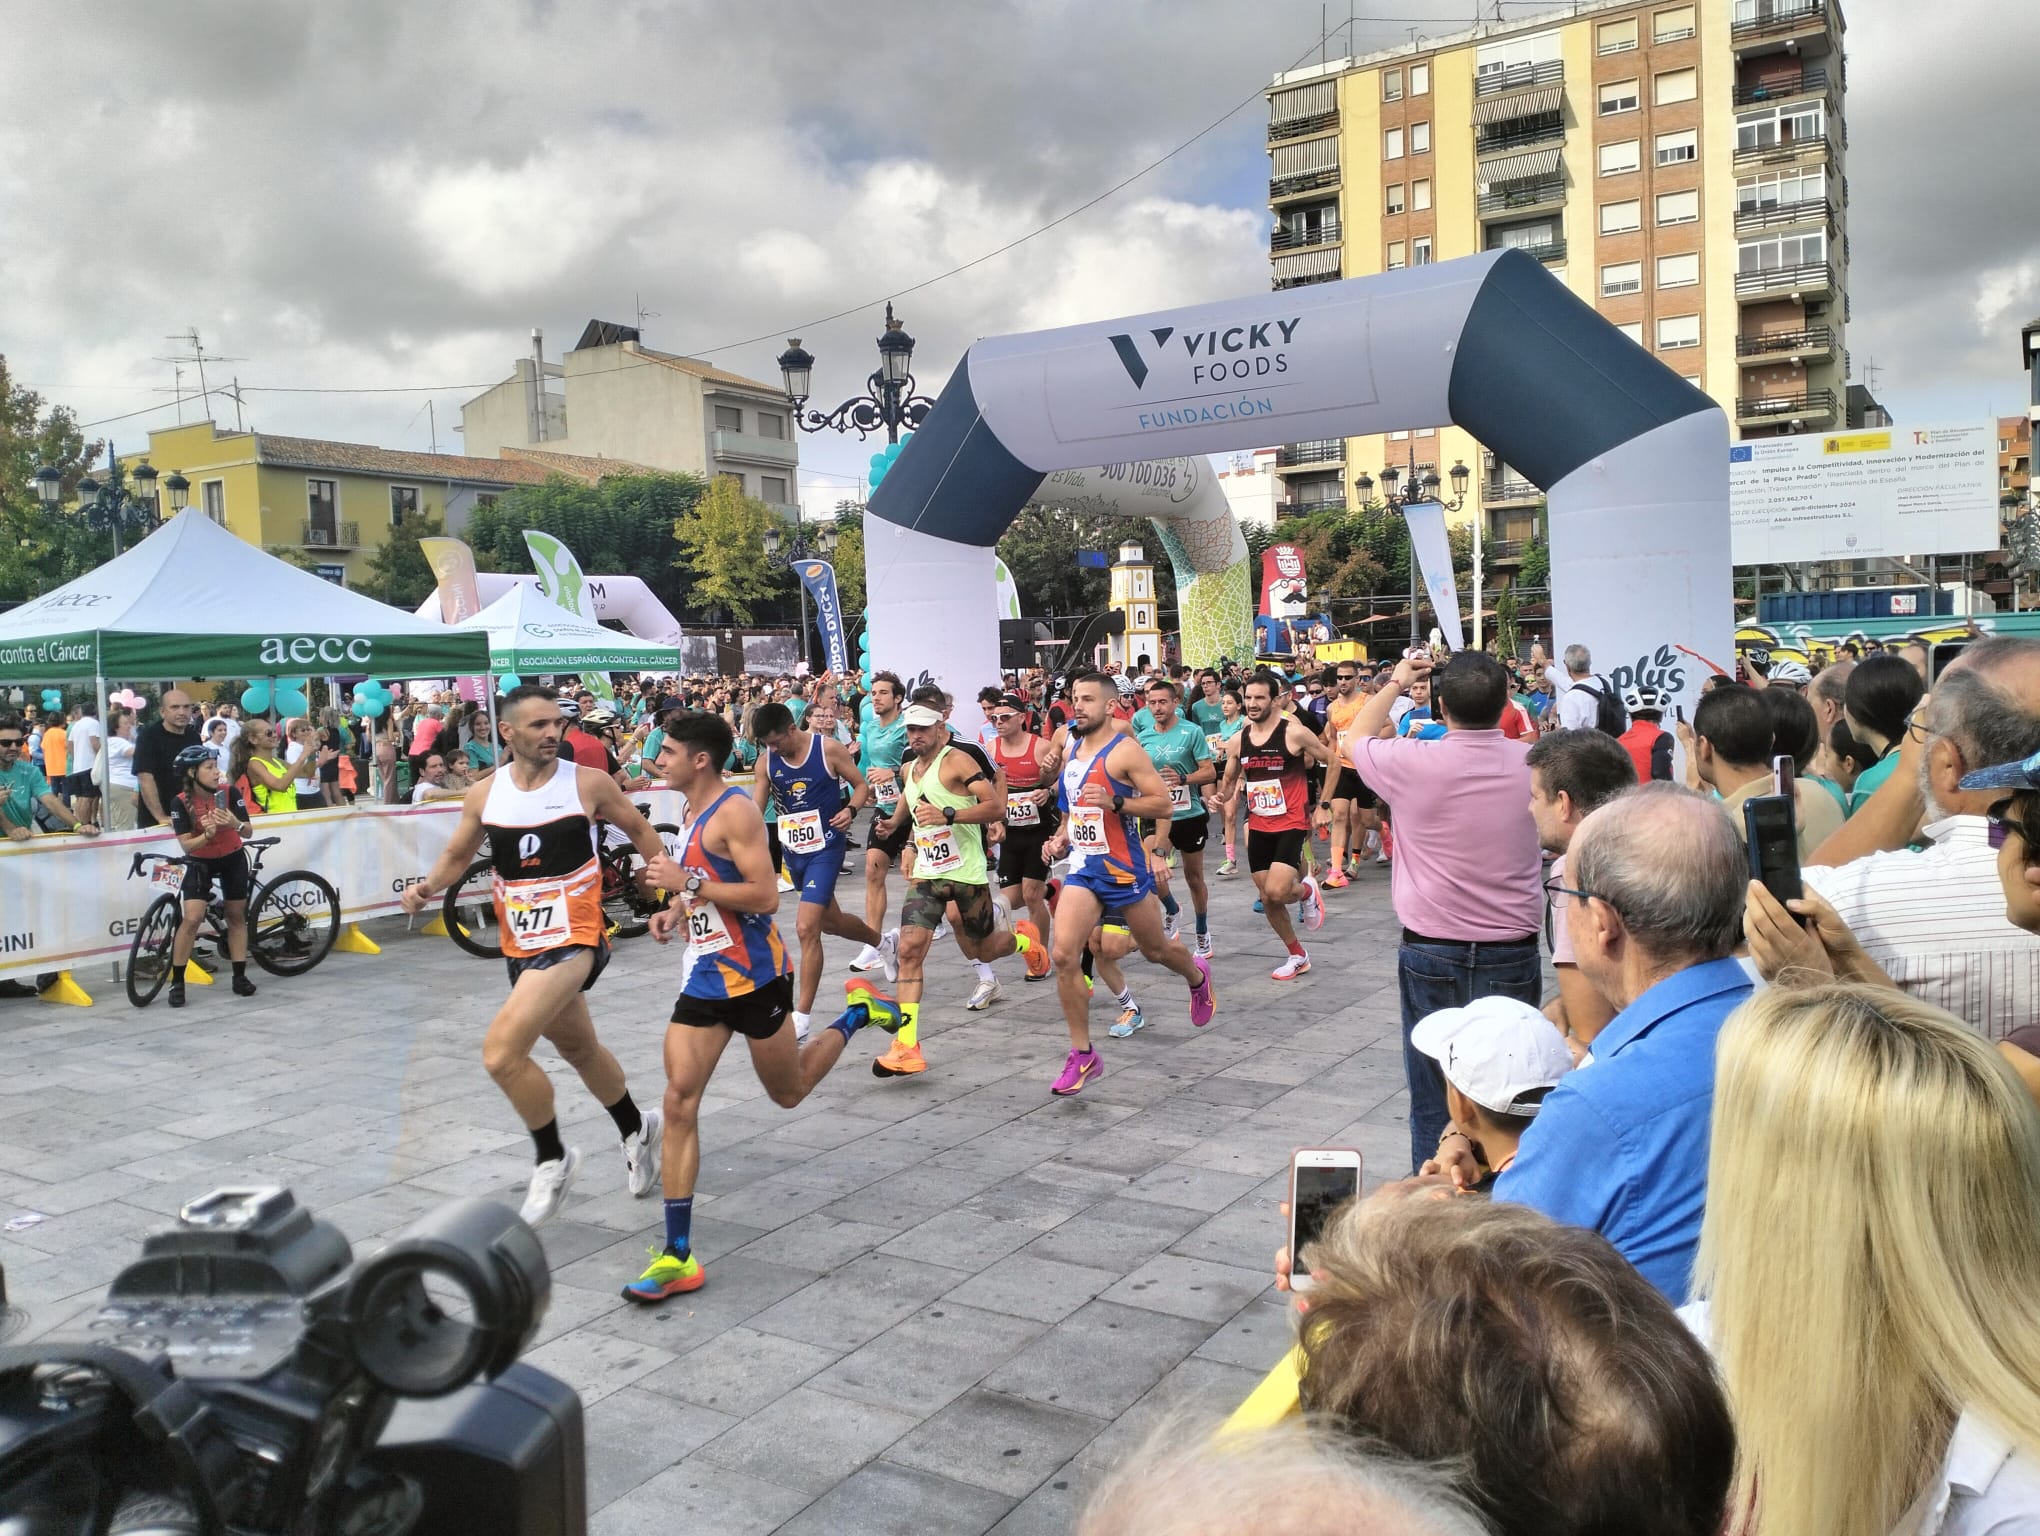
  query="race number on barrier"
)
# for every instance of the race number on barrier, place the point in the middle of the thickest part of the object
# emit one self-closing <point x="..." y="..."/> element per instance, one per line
<point x="67" y="901"/>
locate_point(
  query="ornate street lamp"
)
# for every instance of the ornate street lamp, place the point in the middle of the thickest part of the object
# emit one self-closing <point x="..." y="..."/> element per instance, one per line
<point x="1404" y="489"/>
<point x="115" y="507"/>
<point x="889" y="400"/>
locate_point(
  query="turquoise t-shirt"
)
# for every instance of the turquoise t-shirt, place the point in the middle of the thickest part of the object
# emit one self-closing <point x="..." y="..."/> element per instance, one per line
<point x="21" y="786"/>
<point x="1181" y="747"/>
<point x="1207" y="714"/>
<point x="1841" y="795"/>
<point x="1868" y="780"/>
<point x="799" y="708"/>
<point x="880" y="749"/>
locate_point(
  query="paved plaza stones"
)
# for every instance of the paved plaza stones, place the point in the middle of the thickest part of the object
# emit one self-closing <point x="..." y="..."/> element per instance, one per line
<point x="942" y="1304"/>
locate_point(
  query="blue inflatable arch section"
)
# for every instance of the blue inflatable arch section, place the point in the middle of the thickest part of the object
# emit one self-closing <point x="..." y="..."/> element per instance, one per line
<point x="1633" y="458"/>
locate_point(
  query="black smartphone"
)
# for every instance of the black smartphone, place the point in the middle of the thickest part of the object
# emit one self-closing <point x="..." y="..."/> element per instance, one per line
<point x="1772" y="827"/>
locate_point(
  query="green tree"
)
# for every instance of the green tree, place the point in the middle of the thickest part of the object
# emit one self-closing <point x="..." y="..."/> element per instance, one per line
<point x="1535" y="571"/>
<point x="849" y="562"/>
<point x="624" y="525"/>
<point x="1040" y="550"/>
<point x="722" y="547"/>
<point x="304" y="560"/>
<point x="41" y="550"/>
<point x="399" y="574"/>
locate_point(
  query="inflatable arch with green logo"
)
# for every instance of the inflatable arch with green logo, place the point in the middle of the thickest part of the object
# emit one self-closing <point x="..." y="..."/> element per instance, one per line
<point x="1633" y="458"/>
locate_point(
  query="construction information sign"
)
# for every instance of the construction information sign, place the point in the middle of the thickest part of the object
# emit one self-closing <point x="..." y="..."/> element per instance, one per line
<point x="1893" y="492"/>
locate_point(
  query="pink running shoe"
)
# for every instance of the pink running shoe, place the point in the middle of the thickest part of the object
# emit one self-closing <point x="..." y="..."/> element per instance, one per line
<point x="1081" y="1067"/>
<point x="1313" y="906"/>
<point x="1336" y="880"/>
<point x="1203" y="1001"/>
<point x="1290" y="968"/>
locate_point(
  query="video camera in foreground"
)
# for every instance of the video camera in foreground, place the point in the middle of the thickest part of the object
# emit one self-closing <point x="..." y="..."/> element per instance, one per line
<point x="245" y="1375"/>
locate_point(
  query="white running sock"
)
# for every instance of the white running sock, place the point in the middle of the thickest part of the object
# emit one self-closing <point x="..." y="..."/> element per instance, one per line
<point x="1126" y="998"/>
<point x="800" y="1025"/>
<point x="985" y="971"/>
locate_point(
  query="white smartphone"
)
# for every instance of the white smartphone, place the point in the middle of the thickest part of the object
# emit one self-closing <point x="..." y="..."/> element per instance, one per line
<point x="1321" y="1179"/>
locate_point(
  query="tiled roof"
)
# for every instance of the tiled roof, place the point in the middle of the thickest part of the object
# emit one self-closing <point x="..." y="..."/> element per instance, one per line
<point x="314" y="453"/>
<point x="579" y="466"/>
<point x="704" y="371"/>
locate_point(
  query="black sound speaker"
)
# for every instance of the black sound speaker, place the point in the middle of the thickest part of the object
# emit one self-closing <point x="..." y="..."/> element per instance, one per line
<point x="1019" y="643"/>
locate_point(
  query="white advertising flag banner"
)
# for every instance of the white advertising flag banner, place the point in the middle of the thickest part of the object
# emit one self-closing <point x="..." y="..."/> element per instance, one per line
<point x="1894" y="492"/>
<point x="1434" y="560"/>
<point x="69" y="902"/>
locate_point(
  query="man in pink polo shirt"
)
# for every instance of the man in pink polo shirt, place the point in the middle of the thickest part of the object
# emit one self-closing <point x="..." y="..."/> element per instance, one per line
<point x="1468" y="881"/>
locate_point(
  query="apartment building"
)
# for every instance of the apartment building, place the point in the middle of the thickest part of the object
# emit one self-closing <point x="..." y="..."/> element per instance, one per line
<point x="619" y="399"/>
<point x="1678" y="164"/>
<point x="2015" y="463"/>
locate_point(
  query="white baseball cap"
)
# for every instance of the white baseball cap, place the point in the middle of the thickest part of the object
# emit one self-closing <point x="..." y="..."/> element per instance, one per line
<point x="919" y="714"/>
<point x="1503" y="1054"/>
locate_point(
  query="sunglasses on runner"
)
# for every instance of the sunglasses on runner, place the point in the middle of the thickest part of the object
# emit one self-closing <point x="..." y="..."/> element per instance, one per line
<point x="12" y="741"/>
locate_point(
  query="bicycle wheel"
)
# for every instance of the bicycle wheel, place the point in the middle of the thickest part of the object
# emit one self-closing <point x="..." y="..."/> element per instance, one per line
<point x="149" y="955"/>
<point x="292" y="922"/>
<point x="626" y="905"/>
<point x="469" y="911"/>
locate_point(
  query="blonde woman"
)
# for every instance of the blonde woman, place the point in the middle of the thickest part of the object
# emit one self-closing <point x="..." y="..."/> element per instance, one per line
<point x="272" y="787"/>
<point x="119" y="770"/>
<point x="1870" y="1263"/>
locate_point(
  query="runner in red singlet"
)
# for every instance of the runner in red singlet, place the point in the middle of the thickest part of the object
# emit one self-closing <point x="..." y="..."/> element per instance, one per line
<point x="1271" y="756"/>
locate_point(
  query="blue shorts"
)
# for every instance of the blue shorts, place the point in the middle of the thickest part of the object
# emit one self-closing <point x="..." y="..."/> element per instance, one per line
<point x="1110" y="893"/>
<point x="816" y="873"/>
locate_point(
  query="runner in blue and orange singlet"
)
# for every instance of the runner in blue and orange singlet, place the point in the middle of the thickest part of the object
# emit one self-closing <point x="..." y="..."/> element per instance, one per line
<point x="738" y="979"/>
<point x="1108" y="781"/>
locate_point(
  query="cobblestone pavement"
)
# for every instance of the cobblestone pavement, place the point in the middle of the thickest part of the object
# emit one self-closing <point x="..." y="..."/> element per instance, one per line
<point x="942" y="1304"/>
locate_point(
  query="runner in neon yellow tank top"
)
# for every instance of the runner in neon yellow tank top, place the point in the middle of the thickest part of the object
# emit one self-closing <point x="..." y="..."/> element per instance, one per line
<point x="947" y="800"/>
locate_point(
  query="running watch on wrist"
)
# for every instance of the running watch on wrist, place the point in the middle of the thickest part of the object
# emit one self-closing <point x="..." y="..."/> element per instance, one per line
<point x="949" y="815"/>
<point x="694" y="883"/>
<point x="1119" y="804"/>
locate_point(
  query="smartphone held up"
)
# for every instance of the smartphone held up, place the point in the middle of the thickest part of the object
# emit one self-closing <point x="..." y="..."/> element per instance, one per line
<point x="1321" y="1179"/>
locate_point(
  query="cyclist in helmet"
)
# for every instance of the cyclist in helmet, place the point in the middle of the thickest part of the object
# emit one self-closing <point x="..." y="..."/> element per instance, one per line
<point x="210" y="818"/>
<point x="1790" y="674"/>
<point x="1648" y="744"/>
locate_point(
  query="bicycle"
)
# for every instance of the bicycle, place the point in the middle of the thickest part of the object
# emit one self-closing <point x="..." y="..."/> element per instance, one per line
<point x="469" y="908"/>
<point x="292" y="920"/>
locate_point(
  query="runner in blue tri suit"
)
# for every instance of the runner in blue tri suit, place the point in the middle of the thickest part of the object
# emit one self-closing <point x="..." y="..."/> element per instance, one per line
<point x="799" y="770"/>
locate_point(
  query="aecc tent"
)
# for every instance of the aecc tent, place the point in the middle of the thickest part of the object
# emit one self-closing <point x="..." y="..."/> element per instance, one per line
<point x="191" y="600"/>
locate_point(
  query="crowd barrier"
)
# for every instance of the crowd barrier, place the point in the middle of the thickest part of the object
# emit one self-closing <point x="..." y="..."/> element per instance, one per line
<point x="67" y="902"/>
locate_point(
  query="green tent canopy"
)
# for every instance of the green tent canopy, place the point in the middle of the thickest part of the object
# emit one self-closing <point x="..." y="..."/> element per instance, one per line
<point x="530" y="634"/>
<point x="191" y="600"/>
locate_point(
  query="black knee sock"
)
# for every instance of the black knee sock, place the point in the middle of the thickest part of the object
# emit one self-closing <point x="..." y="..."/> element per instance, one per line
<point x="1087" y="960"/>
<point x="625" y="1113"/>
<point x="547" y="1139"/>
<point x="240" y="968"/>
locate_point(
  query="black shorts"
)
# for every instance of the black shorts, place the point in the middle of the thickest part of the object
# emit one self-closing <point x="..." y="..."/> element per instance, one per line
<point x="231" y="871"/>
<point x="1265" y="849"/>
<point x="1020" y="853"/>
<point x="79" y="785"/>
<point x="546" y="959"/>
<point x="1187" y="835"/>
<point x="755" y="1015"/>
<point x="1352" y="787"/>
<point x="891" y="844"/>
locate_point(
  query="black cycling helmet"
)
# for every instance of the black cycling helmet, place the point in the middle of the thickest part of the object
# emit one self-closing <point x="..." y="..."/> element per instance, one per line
<point x="192" y="758"/>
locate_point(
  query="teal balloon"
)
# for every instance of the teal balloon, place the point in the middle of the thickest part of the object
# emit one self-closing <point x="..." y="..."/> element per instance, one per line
<point x="291" y="702"/>
<point x="53" y="698"/>
<point x="369" y="708"/>
<point x="508" y="681"/>
<point x="881" y="461"/>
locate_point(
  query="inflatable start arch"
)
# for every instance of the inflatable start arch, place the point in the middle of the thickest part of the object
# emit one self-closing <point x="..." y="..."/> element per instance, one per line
<point x="1633" y="458"/>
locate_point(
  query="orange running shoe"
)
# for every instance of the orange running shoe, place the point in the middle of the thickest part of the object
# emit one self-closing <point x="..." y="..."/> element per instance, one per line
<point x="1035" y="955"/>
<point x="899" y="1061"/>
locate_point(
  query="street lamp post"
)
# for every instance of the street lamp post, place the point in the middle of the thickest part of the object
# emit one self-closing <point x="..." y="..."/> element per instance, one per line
<point x="888" y="400"/>
<point x="1418" y="490"/>
<point x="116" y="507"/>
<point x="785" y="551"/>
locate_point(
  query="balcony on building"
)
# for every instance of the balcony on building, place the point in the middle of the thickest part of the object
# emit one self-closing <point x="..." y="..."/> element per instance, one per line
<point x="1809" y="280"/>
<point x="1310" y="506"/>
<point x="1783" y="77"/>
<point x="1539" y="191"/>
<point x="1503" y="487"/>
<point x="749" y="448"/>
<point x="1773" y="26"/>
<point x="322" y="533"/>
<point x="1783" y="152"/>
<point x="1303" y="226"/>
<point x="1543" y="238"/>
<point x="1752" y="217"/>
<point x="1807" y="408"/>
<point x="1297" y="269"/>
<point x="1302" y="168"/>
<point x="1811" y="343"/>
<point x="1313" y="457"/>
<point x="1303" y="111"/>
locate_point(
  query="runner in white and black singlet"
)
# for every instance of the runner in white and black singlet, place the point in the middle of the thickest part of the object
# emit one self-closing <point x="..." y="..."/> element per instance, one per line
<point x="538" y="815"/>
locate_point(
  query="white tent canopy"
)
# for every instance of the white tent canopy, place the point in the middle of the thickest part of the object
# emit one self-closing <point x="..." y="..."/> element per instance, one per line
<point x="529" y="632"/>
<point x="191" y="600"/>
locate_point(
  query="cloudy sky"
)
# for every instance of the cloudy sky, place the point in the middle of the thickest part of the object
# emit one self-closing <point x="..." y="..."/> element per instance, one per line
<point x="374" y="195"/>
